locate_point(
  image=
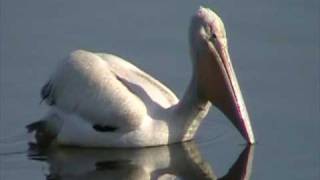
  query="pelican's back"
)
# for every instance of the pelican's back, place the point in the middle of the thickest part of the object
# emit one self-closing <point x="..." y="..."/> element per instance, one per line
<point x="85" y="85"/>
<point x="106" y="90"/>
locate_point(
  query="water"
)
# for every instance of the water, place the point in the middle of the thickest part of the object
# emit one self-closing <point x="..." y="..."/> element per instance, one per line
<point x="274" y="47"/>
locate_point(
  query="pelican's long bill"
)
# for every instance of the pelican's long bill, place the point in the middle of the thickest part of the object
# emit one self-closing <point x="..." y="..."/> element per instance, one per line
<point x="216" y="77"/>
<point x="229" y="100"/>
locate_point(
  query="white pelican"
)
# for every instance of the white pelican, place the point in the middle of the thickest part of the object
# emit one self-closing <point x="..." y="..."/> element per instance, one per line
<point x="101" y="100"/>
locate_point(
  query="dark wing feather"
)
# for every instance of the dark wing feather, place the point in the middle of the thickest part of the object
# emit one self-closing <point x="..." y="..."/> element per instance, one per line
<point x="47" y="93"/>
<point x="106" y="128"/>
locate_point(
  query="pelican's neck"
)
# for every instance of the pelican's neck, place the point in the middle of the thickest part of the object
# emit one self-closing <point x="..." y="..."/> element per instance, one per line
<point x="189" y="112"/>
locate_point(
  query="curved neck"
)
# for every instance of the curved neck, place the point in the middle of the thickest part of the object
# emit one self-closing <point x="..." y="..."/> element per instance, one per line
<point x="190" y="110"/>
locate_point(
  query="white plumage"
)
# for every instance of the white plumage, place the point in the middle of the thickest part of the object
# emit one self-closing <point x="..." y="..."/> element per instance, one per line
<point x="102" y="100"/>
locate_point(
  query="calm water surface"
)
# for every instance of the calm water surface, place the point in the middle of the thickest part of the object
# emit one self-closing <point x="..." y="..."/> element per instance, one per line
<point x="274" y="46"/>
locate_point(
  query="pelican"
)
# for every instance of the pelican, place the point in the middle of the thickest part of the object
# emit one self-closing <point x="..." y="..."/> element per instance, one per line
<point x="102" y="100"/>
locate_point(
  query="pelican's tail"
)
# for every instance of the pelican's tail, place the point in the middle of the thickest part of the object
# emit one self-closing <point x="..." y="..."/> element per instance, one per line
<point x="42" y="133"/>
<point x="37" y="130"/>
<point x="46" y="130"/>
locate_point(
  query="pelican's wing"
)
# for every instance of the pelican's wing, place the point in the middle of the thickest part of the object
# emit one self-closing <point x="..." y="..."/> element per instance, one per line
<point x="104" y="90"/>
<point x="140" y="83"/>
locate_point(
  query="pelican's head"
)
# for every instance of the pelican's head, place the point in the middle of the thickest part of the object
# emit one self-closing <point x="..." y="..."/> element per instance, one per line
<point x="216" y="80"/>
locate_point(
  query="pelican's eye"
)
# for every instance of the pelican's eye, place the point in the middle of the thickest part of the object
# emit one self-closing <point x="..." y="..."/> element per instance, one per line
<point x="213" y="37"/>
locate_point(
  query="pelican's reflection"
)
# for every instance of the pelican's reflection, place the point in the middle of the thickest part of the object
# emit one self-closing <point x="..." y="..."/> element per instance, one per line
<point x="178" y="161"/>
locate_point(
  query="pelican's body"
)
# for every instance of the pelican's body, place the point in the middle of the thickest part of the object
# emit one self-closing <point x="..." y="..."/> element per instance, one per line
<point x="101" y="100"/>
<point x="93" y="88"/>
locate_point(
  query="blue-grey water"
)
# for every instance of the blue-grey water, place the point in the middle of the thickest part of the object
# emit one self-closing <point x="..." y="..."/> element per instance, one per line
<point x="274" y="46"/>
